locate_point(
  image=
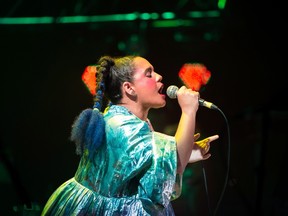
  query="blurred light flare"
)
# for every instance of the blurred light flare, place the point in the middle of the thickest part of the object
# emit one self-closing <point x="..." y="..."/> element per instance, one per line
<point x="194" y="75"/>
<point x="114" y="18"/>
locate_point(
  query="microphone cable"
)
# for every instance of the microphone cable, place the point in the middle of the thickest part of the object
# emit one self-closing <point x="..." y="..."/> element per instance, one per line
<point x="206" y="189"/>
<point x="227" y="173"/>
<point x="172" y="93"/>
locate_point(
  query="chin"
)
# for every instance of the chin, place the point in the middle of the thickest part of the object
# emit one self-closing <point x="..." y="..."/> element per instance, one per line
<point x="160" y="105"/>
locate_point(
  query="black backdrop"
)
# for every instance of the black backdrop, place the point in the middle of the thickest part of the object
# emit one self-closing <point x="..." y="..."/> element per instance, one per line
<point x="42" y="93"/>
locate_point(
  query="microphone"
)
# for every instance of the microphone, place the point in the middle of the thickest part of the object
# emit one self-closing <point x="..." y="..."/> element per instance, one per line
<point x="172" y="93"/>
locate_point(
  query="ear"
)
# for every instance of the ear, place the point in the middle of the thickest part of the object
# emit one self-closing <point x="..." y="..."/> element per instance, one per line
<point x="128" y="88"/>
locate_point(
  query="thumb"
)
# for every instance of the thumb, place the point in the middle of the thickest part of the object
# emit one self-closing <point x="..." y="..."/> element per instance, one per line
<point x="196" y="136"/>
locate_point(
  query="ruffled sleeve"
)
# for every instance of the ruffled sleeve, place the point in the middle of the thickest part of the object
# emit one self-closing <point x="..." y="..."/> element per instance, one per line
<point x="160" y="185"/>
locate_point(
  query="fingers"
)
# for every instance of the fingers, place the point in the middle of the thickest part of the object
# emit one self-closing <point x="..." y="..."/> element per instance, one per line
<point x="212" y="138"/>
<point x="196" y="136"/>
<point x="202" y="143"/>
<point x="205" y="157"/>
<point x="205" y="143"/>
<point x="188" y="99"/>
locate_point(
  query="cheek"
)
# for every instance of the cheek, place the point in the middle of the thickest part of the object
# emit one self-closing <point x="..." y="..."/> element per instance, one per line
<point x="151" y="84"/>
<point x="146" y="85"/>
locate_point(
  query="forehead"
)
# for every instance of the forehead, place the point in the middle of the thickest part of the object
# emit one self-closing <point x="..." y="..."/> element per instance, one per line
<point x="141" y="64"/>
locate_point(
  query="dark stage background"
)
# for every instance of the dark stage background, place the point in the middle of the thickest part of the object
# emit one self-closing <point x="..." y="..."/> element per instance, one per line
<point x="42" y="92"/>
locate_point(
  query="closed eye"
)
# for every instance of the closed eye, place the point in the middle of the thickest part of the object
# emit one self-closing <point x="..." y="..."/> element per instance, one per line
<point x="148" y="72"/>
<point x="149" y="75"/>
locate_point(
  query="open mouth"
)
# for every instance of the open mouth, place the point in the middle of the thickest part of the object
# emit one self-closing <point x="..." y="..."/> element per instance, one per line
<point x="161" y="89"/>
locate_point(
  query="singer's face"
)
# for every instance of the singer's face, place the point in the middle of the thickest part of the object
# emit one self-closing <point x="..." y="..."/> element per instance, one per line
<point x="147" y="85"/>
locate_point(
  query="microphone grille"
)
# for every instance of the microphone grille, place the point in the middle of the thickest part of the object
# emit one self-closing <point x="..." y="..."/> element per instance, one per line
<point x="172" y="91"/>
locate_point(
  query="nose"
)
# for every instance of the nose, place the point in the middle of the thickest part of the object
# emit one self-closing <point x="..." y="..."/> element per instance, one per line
<point x="158" y="77"/>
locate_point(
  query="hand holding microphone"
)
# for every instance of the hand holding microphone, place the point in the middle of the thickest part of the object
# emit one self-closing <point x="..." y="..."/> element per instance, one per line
<point x="187" y="98"/>
<point x="172" y="93"/>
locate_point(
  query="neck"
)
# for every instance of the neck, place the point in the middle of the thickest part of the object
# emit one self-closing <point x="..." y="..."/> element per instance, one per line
<point x="140" y="112"/>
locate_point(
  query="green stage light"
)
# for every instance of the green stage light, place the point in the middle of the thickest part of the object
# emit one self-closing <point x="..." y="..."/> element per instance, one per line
<point x="103" y="18"/>
<point x="167" y="19"/>
<point x="26" y="20"/>
<point x="172" y="23"/>
<point x="203" y="14"/>
<point x="221" y="4"/>
<point x="168" y="15"/>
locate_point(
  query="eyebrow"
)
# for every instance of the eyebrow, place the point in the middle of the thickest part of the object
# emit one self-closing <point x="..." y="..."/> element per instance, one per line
<point x="149" y="69"/>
